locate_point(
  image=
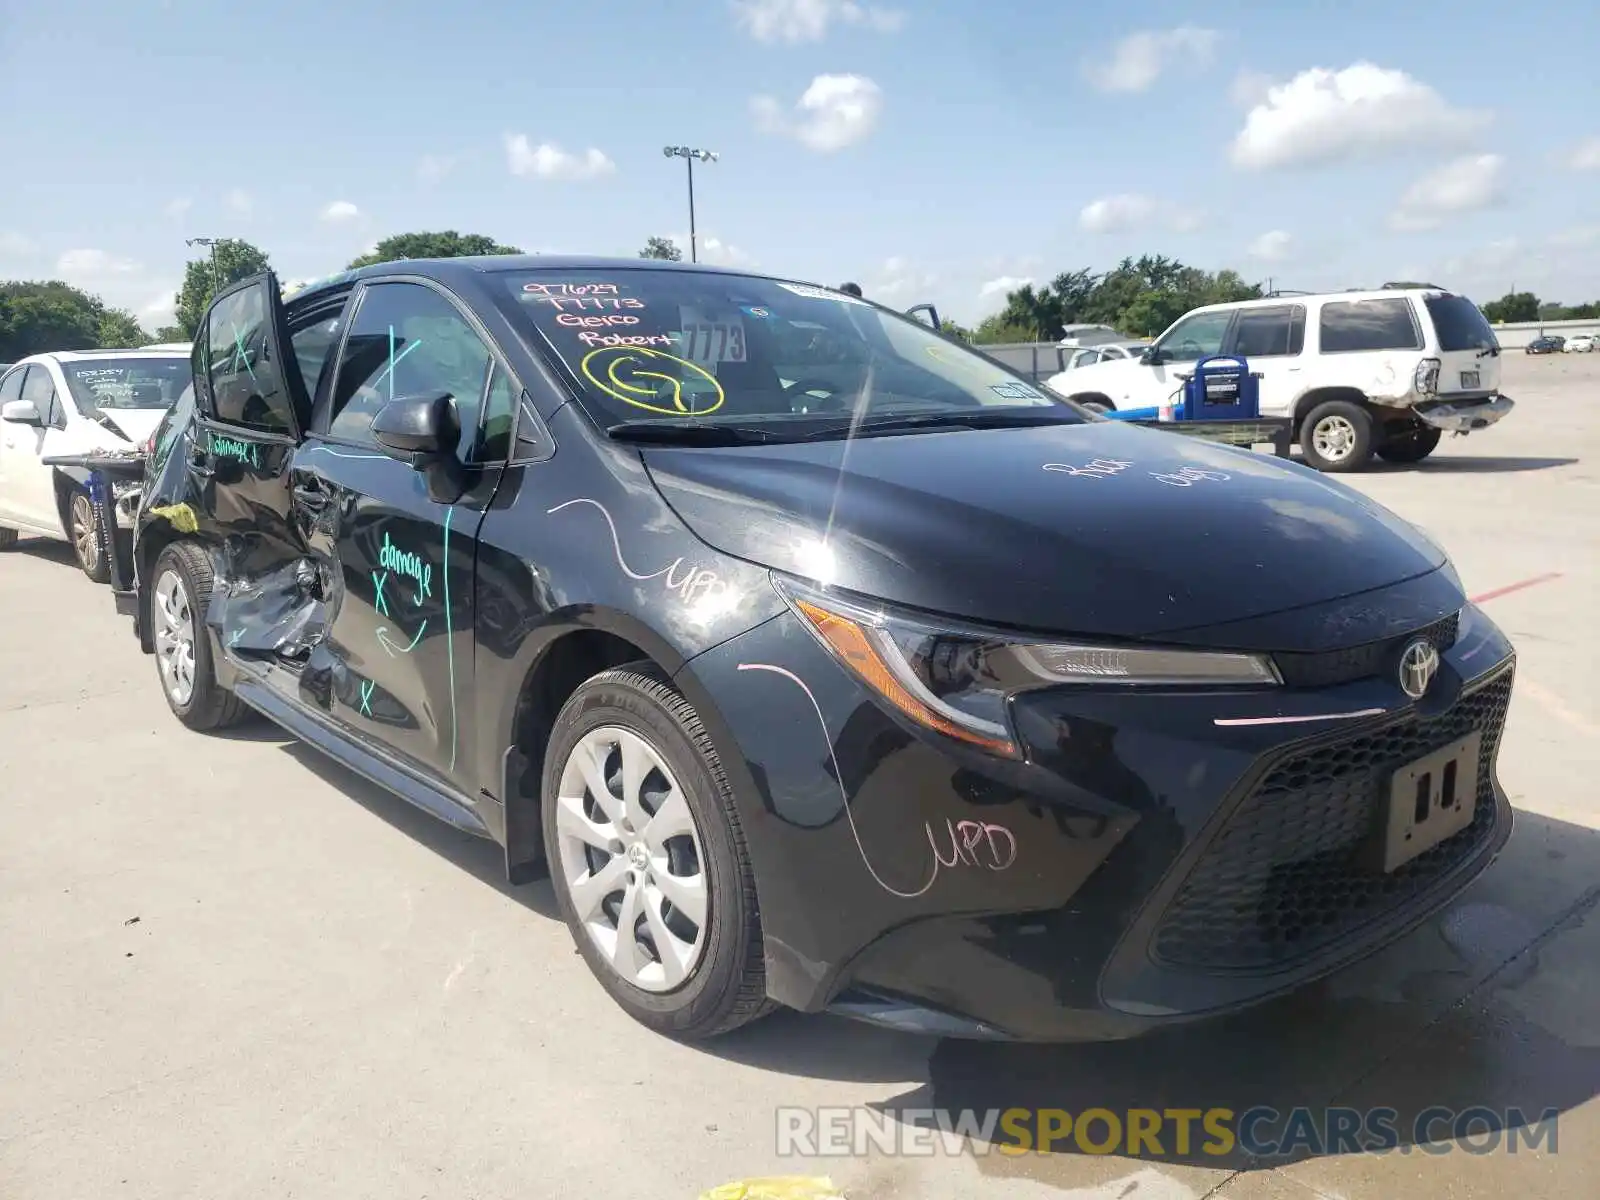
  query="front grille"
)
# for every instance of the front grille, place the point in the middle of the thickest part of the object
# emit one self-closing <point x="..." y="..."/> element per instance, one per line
<point x="1361" y="662"/>
<point x="1282" y="880"/>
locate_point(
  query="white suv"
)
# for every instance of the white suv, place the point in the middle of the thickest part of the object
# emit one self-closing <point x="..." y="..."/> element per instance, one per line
<point x="1360" y="373"/>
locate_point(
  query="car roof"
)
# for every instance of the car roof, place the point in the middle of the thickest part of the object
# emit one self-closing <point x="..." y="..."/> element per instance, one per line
<point x="131" y="352"/>
<point x="446" y="270"/>
<point x="1305" y="297"/>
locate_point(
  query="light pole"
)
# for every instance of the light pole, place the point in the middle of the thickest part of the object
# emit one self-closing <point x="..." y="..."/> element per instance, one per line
<point x="211" y="243"/>
<point x="689" y="154"/>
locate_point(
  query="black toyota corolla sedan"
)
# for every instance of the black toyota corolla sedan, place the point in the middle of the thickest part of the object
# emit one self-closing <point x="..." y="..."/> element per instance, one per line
<point x="818" y="660"/>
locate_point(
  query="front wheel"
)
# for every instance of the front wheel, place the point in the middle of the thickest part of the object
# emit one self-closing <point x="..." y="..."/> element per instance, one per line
<point x="180" y="590"/>
<point x="1412" y="446"/>
<point x="83" y="528"/>
<point x="648" y="859"/>
<point x="1336" y="436"/>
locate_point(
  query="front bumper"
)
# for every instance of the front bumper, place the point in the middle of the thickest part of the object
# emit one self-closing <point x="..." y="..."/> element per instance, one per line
<point x="1166" y="867"/>
<point x="1464" y="416"/>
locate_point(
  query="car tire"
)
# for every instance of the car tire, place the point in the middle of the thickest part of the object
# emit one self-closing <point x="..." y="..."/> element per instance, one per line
<point x="81" y="520"/>
<point x="180" y="591"/>
<point x="714" y="980"/>
<point x="1412" y="446"/>
<point x="1336" y="436"/>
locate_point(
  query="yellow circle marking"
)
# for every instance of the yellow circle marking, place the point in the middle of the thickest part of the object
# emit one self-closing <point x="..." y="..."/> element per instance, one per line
<point x="605" y="377"/>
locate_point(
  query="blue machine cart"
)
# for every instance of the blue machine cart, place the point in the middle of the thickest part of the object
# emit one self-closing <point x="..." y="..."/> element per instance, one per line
<point x="1221" y="401"/>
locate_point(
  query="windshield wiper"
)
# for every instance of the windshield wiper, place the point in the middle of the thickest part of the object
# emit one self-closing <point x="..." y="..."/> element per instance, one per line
<point x="688" y="433"/>
<point x="963" y="418"/>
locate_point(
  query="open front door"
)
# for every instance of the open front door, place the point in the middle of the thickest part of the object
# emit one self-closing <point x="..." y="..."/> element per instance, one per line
<point x="253" y="409"/>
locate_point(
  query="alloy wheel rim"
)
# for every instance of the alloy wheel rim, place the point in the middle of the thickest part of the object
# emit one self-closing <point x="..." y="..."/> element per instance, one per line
<point x="172" y="622"/>
<point x="630" y="856"/>
<point x="83" y="539"/>
<point x="1334" y="437"/>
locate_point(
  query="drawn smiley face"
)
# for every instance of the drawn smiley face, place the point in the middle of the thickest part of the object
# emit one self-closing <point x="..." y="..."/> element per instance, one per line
<point x="653" y="380"/>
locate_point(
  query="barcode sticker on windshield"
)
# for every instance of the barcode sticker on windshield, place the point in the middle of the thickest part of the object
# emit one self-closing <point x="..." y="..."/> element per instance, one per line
<point x="710" y="341"/>
<point x="816" y="293"/>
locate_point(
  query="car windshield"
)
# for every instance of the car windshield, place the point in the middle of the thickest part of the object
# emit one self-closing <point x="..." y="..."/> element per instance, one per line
<point x="1460" y="324"/>
<point x="111" y="383"/>
<point x="666" y="345"/>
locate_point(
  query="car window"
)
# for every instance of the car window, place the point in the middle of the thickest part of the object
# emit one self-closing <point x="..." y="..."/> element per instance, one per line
<point x="499" y="415"/>
<point x="40" y="389"/>
<point x="407" y="340"/>
<point x="312" y="344"/>
<point x="119" y="383"/>
<point x="650" y="344"/>
<point x="1269" y="332"/>
<point x="1196" y="337"/>
<point x="246" y="388"/>
<point x="1352" y="325"/>
<point x="11" y="385"/>
<point x="1460" y="324"/>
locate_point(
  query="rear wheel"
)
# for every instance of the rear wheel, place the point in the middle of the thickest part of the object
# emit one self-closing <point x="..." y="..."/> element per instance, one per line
<point x="648" y="859"/>
<point x="180" y="590"/>
<point x="82" y="529"/>
<point x="1337" y="436"/>
<point x="1414" y="445"/>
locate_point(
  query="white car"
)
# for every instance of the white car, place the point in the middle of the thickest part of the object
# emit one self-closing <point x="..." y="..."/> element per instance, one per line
<point x="1110" y="352"/>
<point x="1583" y="343"/>
<point x="1359" y="373"/>
<point x="75" y="402"/>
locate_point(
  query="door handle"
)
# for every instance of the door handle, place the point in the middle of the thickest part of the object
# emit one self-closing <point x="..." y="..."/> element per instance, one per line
<point x="311" y="494"/>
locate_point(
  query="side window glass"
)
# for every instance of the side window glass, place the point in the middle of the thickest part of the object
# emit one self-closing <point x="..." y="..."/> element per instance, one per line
<point x="311" y="346"/>
<point x="1262" y="332"/>
<point x="1196" y="337"/>
<point x="1297" y="329"/>
<point x="1369" y="325"/>
<point x="407" y="340"/>
<point x="246" y="388"/>
<point x="11" y="385"/>
<point x="41" y="389"/>
<point x="499" y="415"/>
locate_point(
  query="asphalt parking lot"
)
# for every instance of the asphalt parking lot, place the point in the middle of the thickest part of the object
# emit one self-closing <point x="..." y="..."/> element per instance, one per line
<point x="230" y="968"/>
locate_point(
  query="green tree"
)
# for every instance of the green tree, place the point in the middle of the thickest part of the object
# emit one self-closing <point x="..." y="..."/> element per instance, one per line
<point x="443" y="244"/>
<point x="170" y="333"/>
<point x="660" y="247"/>
<point x="998" y="330"/>
<point x="40" y="316"/>
<point x="229" y="261"/>
<point x="950" y="329"/>
<point x="1513" y="306"/>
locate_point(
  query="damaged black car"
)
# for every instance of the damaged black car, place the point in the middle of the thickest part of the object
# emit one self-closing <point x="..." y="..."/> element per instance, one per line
<point x="818" y="660"/>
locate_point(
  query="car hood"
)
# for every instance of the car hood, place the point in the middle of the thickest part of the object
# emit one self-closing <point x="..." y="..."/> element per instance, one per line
<point x="1099" y="528"/>
<point x="136" y="424"/>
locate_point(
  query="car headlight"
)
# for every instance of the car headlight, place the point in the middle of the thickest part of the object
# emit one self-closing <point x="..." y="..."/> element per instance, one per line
<point x="957" y="680"/>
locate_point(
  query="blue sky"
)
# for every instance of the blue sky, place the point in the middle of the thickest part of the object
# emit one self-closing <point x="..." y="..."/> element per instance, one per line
<point x="931" y="151"/>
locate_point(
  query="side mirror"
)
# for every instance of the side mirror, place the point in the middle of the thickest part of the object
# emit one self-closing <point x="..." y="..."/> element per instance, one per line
<point x="1151" y="357"/>
<point x="22" y="412"/>
<point x="422" y="432"/>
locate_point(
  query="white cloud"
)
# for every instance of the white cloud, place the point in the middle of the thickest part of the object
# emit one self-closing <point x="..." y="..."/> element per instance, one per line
<point x="712" y="249"/>
<point x="1139" y="59"/>
<point x="1249" y="88"/>
<point x="15" y="244"/>
<point x="898" y="281"/>
<point x="1461" y="186"/>
<point x="992" y="292"/>
<point x="808" y="20"/>
<point x="91" y="267"/>
<point x="1272" y="246"/>
<point x="239" y="201"/>
<point x="1585" y="155"/>
<point x="549" y="161"/>
<point x="1113" y="214"/>
<point x="179" y="206"/>
<point x="431" y="168"/>
<point x="1323" y="116"/>
<point x="341" y="210"/>
<point x="834" y="112"/>
<point x="159" y="310"/>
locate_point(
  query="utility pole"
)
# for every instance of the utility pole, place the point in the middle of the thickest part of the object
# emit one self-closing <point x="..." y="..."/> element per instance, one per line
<point x="212" y="244"/>
<point x="689" y="154"/>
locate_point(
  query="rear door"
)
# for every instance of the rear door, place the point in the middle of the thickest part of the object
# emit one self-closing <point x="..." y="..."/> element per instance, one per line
<point x="251" y="407"/>
<point x="1272" y="340"/>
<point x="31" y="484"/>
<point x="400" y="563"/>
<point x="1469" y="351"/>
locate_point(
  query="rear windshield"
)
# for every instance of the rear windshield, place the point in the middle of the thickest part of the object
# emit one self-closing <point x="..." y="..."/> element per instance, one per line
<point x="652" y="345"/>
<point x="113" y="383"/>
<point x="1460" y="324"/>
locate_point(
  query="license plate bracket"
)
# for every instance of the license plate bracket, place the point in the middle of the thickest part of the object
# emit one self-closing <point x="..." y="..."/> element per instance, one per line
<point x="1429" y="800"/>
<point x="1469" y="379"/>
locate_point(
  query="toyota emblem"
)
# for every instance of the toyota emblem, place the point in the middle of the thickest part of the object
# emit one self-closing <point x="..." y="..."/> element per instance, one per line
<point x="1418" y="665"/>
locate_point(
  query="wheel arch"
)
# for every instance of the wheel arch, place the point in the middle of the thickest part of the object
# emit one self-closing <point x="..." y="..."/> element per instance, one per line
<point x="1321" y="395"/>
<point x="1092" y="398"/>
